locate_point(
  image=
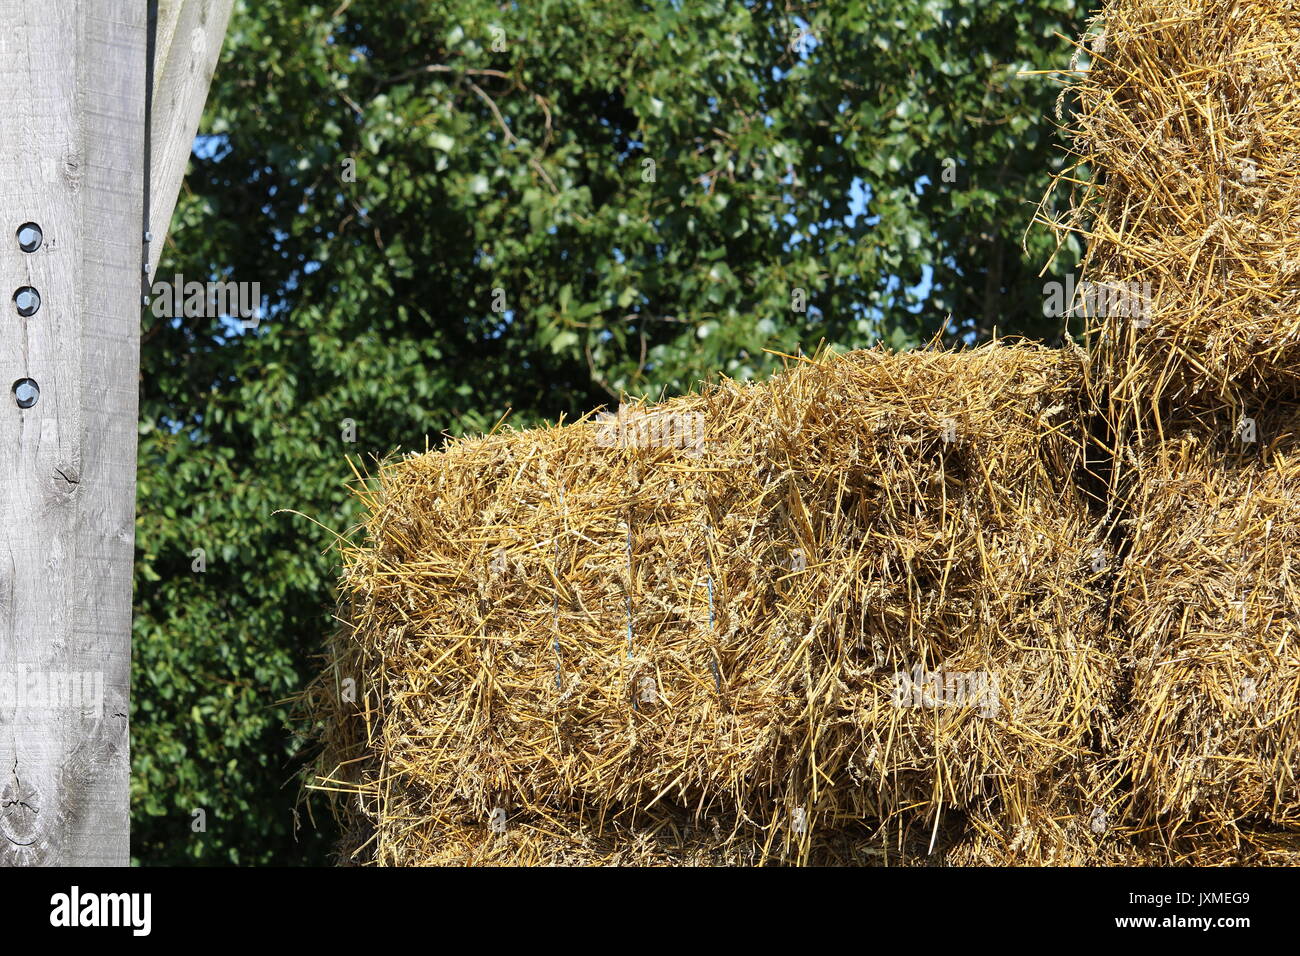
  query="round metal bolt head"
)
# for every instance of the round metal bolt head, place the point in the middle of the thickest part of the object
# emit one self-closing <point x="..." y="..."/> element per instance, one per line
<point x="29" y="237"/>
<point x="26" y="392"/>
<point x="28" y="300"/>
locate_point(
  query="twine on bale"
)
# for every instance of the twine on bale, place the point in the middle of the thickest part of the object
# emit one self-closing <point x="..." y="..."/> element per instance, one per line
<point x="629" y="587"/>
<point x="555" y="619"/>
<point x="708" y="583"/>
<point x="713" y="658"/>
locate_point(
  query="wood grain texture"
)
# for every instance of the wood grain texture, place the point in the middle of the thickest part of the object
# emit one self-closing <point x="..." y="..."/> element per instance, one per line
<point x="72" y="106"/>
<point x="188" y="45"/>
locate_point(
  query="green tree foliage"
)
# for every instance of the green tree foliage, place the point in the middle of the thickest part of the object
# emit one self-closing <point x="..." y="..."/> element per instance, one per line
<point x="461" y="208"/>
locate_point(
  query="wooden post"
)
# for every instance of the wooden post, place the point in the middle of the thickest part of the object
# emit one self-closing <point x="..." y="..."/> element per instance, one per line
<point x="72" y="99"/>
<point x="73" y="94"/>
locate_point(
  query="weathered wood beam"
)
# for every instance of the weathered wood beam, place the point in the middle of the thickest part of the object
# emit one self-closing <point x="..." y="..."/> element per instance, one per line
<point x="72" y="107"/>
<point x="188" y="44"/>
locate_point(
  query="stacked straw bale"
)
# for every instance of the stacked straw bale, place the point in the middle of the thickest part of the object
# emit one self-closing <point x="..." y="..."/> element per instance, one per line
<point x="677" y="639"/>
<point x="701" y="645"/>
<point x="1189" y="123"/>
<point x="1210" y="595"/>
<point x="1187" y="137"/>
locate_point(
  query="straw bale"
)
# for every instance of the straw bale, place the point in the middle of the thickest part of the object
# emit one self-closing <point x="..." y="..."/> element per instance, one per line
<point x="603" y="622"/>
<point x="1186" y="141"/>
<point x="1209" y="595"/>
<point x="1187" y="189"/>
<point x="569" y="840"/>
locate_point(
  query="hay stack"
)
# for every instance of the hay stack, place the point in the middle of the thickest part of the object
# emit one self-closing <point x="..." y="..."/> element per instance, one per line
<point x="1210" y="594"/>
<point x="592" y="634"/>
<point x="1189" y="123"/>
<point x="1188" y="134"/>
<point x="677" y="638"/>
